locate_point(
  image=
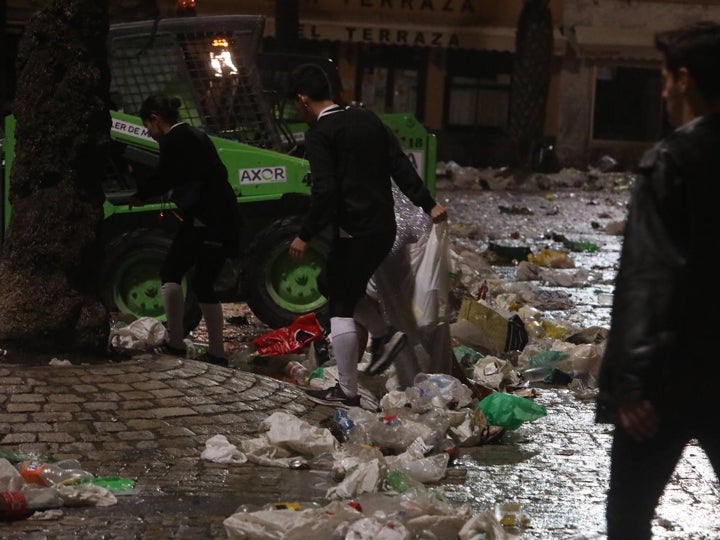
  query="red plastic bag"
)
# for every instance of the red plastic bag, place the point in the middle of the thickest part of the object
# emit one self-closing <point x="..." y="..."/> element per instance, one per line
<point x="289" y="339"/>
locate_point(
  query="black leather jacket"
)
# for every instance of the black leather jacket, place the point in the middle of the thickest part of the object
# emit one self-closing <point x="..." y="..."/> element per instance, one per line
<point x="665" y="314"/>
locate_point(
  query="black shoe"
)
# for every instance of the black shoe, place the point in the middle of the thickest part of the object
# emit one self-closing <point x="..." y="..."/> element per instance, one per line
<point x="212" y="359"/>
<point x="384" y="350"/>
<point x="170" y="351"/>
<point x="333" y="396"/>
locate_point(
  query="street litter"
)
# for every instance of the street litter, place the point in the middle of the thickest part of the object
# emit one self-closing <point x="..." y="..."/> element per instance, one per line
<point x="492" y="327"/>
<point x="394" y="452"/>
<point x="510" y="411"/>
<point x="220" y="450"/>
<point x="141" y="334"/>
<point x="31" y="487"/>
<point x="286" y="442"/>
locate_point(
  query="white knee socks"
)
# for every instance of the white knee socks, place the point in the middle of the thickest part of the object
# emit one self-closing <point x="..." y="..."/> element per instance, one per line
<point x="345" y="347"/>
<point x="213" y="315"/>
<point x="174" y="304"/>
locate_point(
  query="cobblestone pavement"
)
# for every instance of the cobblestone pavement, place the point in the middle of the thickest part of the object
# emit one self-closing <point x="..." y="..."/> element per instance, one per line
<point x="148" y="419"/>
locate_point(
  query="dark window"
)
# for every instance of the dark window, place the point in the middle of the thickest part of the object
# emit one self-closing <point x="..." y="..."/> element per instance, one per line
<point x="478" y="102"/>
<point x="390" y="78"/>
<point x="478" y="89"/>
<point x="628" y="105"/>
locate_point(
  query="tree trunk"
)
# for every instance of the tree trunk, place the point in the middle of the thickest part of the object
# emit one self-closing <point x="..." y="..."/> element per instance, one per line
<point x="531" y="79"/>
<point x="52" y="252"/>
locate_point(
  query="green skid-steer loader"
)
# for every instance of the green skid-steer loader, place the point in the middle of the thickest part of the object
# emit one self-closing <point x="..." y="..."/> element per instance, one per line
<point x="210" y="63"/>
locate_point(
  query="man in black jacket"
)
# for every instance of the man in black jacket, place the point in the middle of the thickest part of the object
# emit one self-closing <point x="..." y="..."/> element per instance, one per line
<point x="659" y="372"/>
<point x="352" y="158"/>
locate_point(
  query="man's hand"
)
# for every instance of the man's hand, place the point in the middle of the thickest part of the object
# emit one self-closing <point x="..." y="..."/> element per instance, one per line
<point x="639" y="419"/>
<point x="297" y="249"/>
<point x="438" y="213"/>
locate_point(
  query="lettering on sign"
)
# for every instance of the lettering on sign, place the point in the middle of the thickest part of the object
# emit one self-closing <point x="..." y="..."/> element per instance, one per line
<point x="387" y="36"/>
<point x="128" y="128"/>
<point x="441" y="6"/>
<point x="262" y="175"/>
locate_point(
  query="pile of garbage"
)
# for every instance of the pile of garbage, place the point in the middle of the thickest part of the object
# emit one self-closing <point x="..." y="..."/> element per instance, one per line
<point x="40" y="486"/>
<point x="386" y="463"/>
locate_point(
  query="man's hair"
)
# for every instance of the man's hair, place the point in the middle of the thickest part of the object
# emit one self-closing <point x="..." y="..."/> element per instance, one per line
<point x="168" y="107"/>
<point x="310" y="80"/>
<point x="695" y="47"/>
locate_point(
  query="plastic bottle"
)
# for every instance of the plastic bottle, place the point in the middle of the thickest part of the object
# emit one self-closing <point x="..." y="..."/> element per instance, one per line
<point x="343" y="423"/>
<point x="296" y="371"/>
<point x="16" y="505"/>
<point x="51" y="474"/>
<point x="242" y="353"/>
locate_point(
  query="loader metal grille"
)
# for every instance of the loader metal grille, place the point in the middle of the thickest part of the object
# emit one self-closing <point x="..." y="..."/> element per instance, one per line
<point x="208" y="62"/>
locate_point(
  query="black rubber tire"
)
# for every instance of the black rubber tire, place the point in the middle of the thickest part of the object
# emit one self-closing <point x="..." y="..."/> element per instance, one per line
<point x="279" y="290"/>
<point x="130" y="279"/>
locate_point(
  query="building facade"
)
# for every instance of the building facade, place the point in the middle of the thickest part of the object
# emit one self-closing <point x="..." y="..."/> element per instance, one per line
<point x="451" y="63"/>
<point x="609" y="101"/>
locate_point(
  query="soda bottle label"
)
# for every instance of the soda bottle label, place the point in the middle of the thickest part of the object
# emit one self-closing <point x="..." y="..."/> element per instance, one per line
<point x="13" y="505"/>
<point x="31" y="470"/>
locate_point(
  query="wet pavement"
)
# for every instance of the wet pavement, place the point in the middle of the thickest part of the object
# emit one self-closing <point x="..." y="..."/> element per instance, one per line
<point x="148" y="418"/>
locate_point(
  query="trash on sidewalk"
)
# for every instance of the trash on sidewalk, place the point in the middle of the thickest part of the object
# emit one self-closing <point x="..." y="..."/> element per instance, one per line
<point x="493" y="328"/>
<point x="510" y="411"/>
<point x="287" y="442"/>
<point x="551" y="258"/>
<point x="219" y="450"/>
<point x="279" y="353"/>
<point x="36" y="489"/>
<point x="140" y="334"/>
<point x="290" y="339"/>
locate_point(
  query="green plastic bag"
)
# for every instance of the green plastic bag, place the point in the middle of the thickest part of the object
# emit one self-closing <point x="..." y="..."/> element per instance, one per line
<point x="510" y="411"/>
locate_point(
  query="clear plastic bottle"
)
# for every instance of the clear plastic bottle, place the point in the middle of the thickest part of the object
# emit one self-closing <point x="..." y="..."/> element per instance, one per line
<point x="51" y="474"/>
<point x="16" y="505"/>
<point x="242" y="353"/>
<point x="296" y="371"/>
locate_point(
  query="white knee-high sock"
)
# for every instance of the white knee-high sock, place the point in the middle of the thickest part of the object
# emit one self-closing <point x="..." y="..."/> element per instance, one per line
<point x="213" y="315"/>
<point x="367" y="313"/>
<point x="345" y="347"/>
<point x="174" y="304"/>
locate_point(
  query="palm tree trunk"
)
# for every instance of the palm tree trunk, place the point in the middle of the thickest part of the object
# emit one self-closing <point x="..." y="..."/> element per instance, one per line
<point x="531" y="79"/>
<point x="52" y="252"/>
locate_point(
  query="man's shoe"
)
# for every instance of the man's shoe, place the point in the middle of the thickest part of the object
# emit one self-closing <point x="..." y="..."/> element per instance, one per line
<point x="212" y="359"/>
<point x="166" y="349"/>
<point x="333" y="396"/>
<point x="384" y="350"/>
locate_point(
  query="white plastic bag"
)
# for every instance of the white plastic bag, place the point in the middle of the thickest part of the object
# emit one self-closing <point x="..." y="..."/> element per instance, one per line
<point x="431" y="263"/>
<point x="142" y="333"/>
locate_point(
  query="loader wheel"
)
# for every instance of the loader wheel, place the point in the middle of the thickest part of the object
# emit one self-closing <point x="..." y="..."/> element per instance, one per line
<point x="131" y="277"/>
<point x="279" y="289"/>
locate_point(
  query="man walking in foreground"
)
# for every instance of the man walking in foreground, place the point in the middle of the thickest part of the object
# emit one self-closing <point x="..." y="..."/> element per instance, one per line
<point x="351" y="157"/>
<point x="660" y="370"/>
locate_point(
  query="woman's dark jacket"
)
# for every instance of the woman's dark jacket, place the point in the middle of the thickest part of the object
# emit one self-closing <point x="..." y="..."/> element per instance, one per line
<point x="191" y="172"/>
<point x="662" y="341"/>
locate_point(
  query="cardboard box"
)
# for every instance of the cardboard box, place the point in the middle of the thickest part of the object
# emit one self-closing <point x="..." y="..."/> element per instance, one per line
<point x="494" y="328"/>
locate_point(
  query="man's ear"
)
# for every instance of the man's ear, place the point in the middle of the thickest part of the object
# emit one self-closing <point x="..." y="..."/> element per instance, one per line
<point x="683" y="79"/>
